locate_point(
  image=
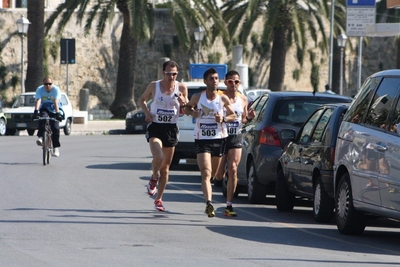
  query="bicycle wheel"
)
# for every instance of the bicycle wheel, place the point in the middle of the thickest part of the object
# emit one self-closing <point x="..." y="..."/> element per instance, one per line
<point x="49" y="148"/>
<point x="45" y="150"/>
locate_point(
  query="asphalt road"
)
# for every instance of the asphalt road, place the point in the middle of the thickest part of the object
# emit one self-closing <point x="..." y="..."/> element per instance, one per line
<point x="89" y="207"/>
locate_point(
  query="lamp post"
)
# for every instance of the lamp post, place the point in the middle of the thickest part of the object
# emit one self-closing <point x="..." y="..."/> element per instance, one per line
<point x="22" y="25"/>
<point x="341" y="41"/>
<point x="198" y="36"/>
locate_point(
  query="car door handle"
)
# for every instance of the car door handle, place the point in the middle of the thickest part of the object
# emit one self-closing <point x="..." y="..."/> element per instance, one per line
<point x="380" y="148"/>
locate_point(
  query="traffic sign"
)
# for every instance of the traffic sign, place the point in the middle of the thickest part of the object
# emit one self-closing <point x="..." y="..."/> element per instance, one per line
<point x="361" y="3"/>
<point x="357" y="19"/>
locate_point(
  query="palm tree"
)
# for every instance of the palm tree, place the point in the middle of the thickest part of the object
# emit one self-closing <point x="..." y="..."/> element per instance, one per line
<point x="34" y="73"/>
<point x="138" y="24"/>
<point x="286" y="22"/>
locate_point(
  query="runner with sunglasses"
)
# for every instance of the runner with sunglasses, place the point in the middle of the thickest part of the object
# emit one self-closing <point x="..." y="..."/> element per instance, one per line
<point x="168" y="97"/>
<point x="233" y="144"/>
<point x="210" y="130"/>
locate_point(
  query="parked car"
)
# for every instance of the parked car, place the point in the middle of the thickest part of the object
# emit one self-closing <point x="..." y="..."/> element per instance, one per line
<point x="3" y="120"/>
<point x="135" y="121"/>
<point x="253" y="93"/>
<point x="367" y="162"/>
<point x="19" y="116"/>
<point x="265" y="136"/>
<point x="305" y="168"/>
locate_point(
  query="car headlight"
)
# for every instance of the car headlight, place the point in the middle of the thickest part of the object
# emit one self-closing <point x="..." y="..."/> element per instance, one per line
<point x="129" y="115"/>
<point x="8" y="115"/>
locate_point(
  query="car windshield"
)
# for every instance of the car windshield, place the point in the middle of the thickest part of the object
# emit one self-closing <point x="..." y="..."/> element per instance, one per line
<point x="297" y="111"/>
<point x="24" y="101"/>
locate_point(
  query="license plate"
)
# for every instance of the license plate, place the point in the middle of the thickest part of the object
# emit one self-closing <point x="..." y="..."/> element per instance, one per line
<point x="138" y="127"/>
<point x="21" y="125"/>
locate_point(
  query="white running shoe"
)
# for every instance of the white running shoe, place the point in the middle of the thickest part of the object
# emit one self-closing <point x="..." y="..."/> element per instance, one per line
<point x="158" y="205"/>
<point x="152" y="186"/>
<point x="39" y="141"/>
<point x="56" y="152"/>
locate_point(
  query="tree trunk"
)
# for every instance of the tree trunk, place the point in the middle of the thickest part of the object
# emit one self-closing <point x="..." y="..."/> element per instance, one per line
<point x="278" y="60"/>
<point x="34" y="73"/>
<point x="123" y="101"/>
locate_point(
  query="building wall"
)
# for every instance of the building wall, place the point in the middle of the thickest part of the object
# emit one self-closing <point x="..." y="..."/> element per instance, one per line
<point x="97" y="59"/>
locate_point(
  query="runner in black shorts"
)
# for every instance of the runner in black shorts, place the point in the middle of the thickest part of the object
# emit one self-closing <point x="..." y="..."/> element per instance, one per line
<point x="234" y="139"/>
<point x="167" y="133"/>
<point x="210" y="130"/>
<point x="168" y="97"/>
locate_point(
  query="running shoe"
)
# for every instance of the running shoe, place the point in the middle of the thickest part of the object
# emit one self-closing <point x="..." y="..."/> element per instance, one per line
<point x="158" y="205"/>
<point x="210" y="210"/>
<point x="39" y="141"/>
<point x="229" y="212"/>
<point x="151" y="186"/>
<point x="56" y="152"/>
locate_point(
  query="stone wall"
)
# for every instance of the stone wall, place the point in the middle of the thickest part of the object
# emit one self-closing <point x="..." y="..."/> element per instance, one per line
<point x="97" y="58"/>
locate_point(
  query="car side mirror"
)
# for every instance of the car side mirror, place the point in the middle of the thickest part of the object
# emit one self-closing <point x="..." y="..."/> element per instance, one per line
<point x="288" y="134"/>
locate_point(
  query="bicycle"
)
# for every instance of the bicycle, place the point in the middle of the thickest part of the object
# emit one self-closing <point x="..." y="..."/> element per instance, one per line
<point x="47" y="143"/>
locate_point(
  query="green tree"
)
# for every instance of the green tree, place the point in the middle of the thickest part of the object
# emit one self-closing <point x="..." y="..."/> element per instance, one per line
<point x="286" y="23"/>
<point x="34" y="73"/>
<point x="138" y="25"/>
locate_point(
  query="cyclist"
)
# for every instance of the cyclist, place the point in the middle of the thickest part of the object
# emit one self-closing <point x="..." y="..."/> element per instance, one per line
<point x="48" y="104"/>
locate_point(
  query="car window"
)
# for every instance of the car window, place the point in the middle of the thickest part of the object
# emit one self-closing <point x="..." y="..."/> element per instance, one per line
<point x="361" y="102"/>
<point x="259" y="107"/>
<point x="378" y="111"/>
<point x="394" y="125"/>
<point x="24" y="101"/>
<point x="308" y="127"/>
<point x="297" y="111"/>
<point x="63" y="100"/>
<point x="321" y="126"/>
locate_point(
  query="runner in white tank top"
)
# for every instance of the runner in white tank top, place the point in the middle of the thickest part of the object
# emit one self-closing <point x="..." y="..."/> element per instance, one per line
<point x="206" y="127"/>
<point x="165" y="107"/>
<point x="168" y="97"/>
<point x="210" y="130"/>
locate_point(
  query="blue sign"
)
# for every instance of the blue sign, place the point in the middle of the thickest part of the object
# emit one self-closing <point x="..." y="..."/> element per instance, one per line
<point x="197" y="70"/>
<point x="357" y="3"/>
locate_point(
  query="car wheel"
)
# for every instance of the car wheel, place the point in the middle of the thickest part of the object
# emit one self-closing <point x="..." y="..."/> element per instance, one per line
<point x="2" y="127"/>
<point x="68" y="127"/>
<point x="30" y="131"/>
<point x="323" y="205"/>
<point x="256" y="191"/>
<point x="348" y="220"/>
<point x="11" y="131"/>
<point x="283" y="197"/>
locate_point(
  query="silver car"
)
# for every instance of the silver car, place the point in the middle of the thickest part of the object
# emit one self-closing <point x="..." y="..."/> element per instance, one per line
<point x="367" y="169"/>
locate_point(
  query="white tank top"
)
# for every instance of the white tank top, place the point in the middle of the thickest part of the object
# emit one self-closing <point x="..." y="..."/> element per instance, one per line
<point x="206" y="127"/>
<point x="235" y="126"/>
<point x="165" y="108"/>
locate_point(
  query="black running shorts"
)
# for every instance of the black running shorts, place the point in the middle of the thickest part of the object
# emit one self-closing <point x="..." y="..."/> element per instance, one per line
<point x="216" y="147"/>
<point x="233" y="141"/>
<point x="166" y="132"/>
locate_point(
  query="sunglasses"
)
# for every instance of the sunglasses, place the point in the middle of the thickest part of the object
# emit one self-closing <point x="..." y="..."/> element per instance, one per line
<point x="171" y="73"/>
<point x="233" y="81"/>
<point x="47" y="83"/>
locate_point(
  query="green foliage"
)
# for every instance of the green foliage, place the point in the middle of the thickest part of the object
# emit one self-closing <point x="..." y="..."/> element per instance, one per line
<point x="214" y="57"/>
<point x="314" y="78"/>
<point x="296" y="74"/>
<point x="15" y="80"/>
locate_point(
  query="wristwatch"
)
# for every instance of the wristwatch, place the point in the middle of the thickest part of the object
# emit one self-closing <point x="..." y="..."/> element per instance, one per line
<point x="223" y="119"/>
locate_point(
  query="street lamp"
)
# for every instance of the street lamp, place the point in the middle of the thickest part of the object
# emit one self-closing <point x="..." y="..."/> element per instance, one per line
<point x="22" y="25"/>
<point x="341" y="41"/>
<point x="198" y="36"/>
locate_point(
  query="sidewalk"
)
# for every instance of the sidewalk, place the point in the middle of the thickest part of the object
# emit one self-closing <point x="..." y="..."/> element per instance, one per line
<point x="99" y="127"/>
<point x="95" y="127"/>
